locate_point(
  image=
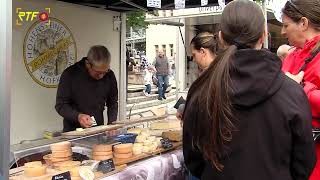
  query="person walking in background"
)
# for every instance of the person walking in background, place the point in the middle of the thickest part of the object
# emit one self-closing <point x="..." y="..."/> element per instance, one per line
<point x="301" y="25"/>
<point x="244" y="119"/>
<point x="161" y="64"/>
<point x="284" y="50"/>
<point x="149" y="70"/>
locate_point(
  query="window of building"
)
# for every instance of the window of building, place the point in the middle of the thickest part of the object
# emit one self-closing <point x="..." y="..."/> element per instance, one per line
<point x="171" y="49"/>
<point x="156" y="47"/>
<point x="164" y="49"/>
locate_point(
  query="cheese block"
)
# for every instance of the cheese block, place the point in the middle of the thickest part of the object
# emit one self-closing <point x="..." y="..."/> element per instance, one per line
<point x="137" y="144"/>
<point x="173" y="135"/>
<point x="153" y="147"/>
<point x="123" y="148"/>
<point x="61" y="154"/>
<point x="158" y="141"/>
<point x="75" y="172"/>
<point x="134" y="130"/>
<point x="102" y="153"/>
<point x="34" y="169"/>
<point x="141" y="138"/>
<point x="165" y="125"/>
<point x="137" y="150"/>
<point x="123" y="155"/>
<point x="86" y="173"/>
<point x="102" y="147"/>
<point x="62" y="146"/>
<point x="102" y="158"/>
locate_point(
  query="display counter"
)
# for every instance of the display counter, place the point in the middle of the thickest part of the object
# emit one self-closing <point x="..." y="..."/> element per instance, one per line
<point x="136" y="149"/>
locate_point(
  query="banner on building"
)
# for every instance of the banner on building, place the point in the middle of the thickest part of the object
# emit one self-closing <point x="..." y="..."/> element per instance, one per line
<point x="179" y="4"/>
<point x="154" y="3"/>
<point x="204" y="2"/>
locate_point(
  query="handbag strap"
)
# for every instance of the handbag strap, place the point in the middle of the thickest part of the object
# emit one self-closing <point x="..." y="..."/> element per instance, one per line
<point x="314" y="53"/>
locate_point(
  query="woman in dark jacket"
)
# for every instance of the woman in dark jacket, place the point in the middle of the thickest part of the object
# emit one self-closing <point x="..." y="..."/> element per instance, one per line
<point x="244" y="119"/>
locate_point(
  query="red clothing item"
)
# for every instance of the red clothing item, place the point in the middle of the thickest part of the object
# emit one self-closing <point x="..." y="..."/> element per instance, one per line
<point x="294" y="62"/>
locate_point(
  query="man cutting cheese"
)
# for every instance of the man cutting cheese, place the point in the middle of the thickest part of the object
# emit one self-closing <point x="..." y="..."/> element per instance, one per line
<point x="85" y="88"/>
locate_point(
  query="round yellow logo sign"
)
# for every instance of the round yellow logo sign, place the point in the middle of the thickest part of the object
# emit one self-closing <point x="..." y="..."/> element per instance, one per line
<point x="48" y="49"/>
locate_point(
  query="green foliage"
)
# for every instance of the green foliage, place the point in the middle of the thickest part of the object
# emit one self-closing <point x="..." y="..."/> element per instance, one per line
<point x="136" y="20"/>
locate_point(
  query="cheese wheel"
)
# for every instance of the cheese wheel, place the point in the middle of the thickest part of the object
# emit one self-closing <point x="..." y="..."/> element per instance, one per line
<point x="102" y="147"/>
<point x="141" y="139"/>
<point x="101" y="153"/>
<point x="35" y="171"/>
<point x="123" y="148"/>
<point x="61" y="154"/>
<point x="62" y="146"/>
<point x="33" y="164"/>
<point x="134" y="130"/>
<point x="122" y="155"/>
<point x="58" y="160"/>
<point x="102" y="158"/>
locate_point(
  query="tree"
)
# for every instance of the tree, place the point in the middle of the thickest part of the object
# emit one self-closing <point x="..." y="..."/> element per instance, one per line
<point x="136" y="20"/>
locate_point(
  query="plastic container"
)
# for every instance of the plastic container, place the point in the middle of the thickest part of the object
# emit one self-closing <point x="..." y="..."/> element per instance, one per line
<point x="126" y="138"/>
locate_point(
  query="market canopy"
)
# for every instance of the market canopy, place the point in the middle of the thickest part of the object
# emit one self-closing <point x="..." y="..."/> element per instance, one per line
<point x="134" y="5"/>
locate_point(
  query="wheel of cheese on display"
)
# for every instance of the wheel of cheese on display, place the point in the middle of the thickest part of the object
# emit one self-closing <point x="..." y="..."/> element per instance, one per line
<point x="61" y="154"/>
<point x="62" y="146"/>
<point x="102" y="148"/>
<point x="123" y="155"/>
<point x="34" y="169"/>
<point x="123" y="148"/>
<point x="102" y="158"/>
<point x="102" y="153"/>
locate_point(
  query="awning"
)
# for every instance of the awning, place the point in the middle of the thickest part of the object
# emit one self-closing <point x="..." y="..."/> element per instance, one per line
<point x="134" y="5"/>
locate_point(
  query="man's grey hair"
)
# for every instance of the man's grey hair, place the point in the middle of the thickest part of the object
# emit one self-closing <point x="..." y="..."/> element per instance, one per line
<point x="98" y="55"/>
<point x="283" y="51"/>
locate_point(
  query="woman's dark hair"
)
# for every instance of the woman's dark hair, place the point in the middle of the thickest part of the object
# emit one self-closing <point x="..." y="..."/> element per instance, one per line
<point x="242" y="25"/>
<point x="296" y="9"/>
<point x="206" y="40"/>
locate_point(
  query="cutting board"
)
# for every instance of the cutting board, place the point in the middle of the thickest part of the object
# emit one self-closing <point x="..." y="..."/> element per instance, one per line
<point x="134" y="158"/>
<point x="91" y="131"/>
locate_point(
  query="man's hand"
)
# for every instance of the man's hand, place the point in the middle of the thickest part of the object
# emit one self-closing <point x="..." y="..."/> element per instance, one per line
<point x="298" y="78"/>
<point x="84" y="120"/>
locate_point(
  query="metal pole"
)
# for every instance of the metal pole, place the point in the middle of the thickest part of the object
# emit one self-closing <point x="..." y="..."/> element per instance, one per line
<point x="5" y="86"/>
<point x="123" y="72"/>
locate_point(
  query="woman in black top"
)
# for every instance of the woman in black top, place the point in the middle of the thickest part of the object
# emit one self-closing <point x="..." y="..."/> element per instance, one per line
<point x="244" y="119"/>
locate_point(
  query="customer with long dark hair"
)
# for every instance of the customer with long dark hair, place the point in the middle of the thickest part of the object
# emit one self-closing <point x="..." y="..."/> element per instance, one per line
<point x="301" y="25"/>
<point x="244" y="119"/>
